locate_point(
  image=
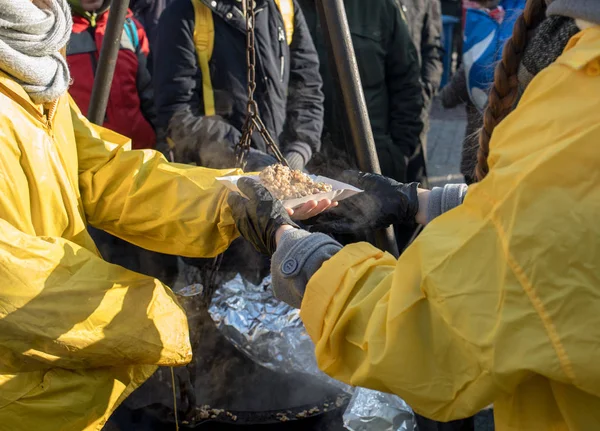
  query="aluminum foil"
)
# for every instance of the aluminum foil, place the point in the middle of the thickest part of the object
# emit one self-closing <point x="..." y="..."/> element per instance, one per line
<point x="271" y="333"/>
<point x="377" y="411"/>
<point x="268" y="331"/>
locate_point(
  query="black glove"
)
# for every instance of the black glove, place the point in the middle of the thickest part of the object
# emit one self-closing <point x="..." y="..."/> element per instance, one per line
<point x="257" y="160"/>
<point x="383" y="202"/>
<point x="259" y="216"/>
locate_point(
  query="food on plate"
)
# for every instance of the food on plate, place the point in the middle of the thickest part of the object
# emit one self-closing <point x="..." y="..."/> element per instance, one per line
<point x="285" y="183"/>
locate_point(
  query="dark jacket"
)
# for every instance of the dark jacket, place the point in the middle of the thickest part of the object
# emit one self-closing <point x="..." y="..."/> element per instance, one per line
<point x="424" y="20"/>
<point x="148" y="12"/>
<point x="389" y="71"/>
<point x="288" y="90"/>
<point x="130" y="109"/>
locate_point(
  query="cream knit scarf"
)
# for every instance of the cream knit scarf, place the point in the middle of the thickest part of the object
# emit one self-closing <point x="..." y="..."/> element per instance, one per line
<point x="31" y="35"/>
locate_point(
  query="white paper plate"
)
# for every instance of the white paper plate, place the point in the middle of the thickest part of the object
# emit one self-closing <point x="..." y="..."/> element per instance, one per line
<point x="340" y="190"/>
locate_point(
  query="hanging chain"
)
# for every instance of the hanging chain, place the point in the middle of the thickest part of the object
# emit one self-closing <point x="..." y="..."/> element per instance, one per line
<point x="250" y="14"/>
<point x="251" y="124"/>
<point x="253" y="121"/>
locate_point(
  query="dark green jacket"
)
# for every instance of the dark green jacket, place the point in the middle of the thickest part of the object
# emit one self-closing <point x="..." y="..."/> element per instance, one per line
<point x="389" y="70"/>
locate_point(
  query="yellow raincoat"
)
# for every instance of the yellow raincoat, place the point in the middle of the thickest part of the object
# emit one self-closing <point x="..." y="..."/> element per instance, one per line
<point x="77" y="335"/>
<point x="498" y="301"/>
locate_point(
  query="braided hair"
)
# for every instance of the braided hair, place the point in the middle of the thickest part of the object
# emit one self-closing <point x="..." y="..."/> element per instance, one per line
<point x="505" y="91"/>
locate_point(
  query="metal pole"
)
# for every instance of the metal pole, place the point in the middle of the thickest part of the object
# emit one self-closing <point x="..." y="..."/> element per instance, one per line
<point x="107" y="61"/>
<point x="332" y="15"/>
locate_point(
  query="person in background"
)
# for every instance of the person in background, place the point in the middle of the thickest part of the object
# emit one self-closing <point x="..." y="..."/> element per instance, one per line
<point x="424" y="20"/>
<point x="201" y="85"/>
<point x="130" y="111"/>
<point x="487" y="20"/>
<point x="451" y="7"/>
<point x="455" y="8"/>
<point x="452" y="95"/>
<point x="148" y="12"/>
<point x="497" y="301"/>
<point x="202" y="94"/>
<point x="457" y="93"/>
<point x="489" y="24"/>
<point x="389" y="72"/>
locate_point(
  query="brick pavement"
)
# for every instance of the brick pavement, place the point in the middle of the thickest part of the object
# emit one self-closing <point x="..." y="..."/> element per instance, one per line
<point x="444" y="143"/>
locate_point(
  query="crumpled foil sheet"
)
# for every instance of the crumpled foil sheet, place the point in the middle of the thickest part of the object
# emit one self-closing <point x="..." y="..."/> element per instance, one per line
<point x="271" y="333"/>
<point x="265" y="329"/>
<point x="377" y="411"/>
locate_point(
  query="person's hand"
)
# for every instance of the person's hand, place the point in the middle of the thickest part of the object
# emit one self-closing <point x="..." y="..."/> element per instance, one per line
<point x="311" y="209"/>
<point x="383" y="202"/>
<point x="259" y="216"/>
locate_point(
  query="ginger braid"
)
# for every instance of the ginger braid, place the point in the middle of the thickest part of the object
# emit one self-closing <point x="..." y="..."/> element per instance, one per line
<point x="505" y="91"/>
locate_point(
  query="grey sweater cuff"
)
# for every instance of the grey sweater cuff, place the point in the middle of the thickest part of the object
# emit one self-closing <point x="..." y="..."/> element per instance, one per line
<point x="295" y="160"/>
<point x="299" y="148"/>
<point x="442" y="199"/>
<point x="299" y="255"/>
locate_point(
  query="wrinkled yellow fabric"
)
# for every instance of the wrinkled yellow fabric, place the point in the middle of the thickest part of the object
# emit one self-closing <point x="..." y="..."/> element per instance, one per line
<point x="77" y="334"/>
<point x="498" y="301"/>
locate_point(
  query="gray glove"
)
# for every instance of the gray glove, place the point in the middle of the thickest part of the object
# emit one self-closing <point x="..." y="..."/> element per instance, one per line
<point x="259" y="215"/>
<point x="207" y="140"/>
<point x="295" y="160"/>
<point x="299" y="255"/>
<point x="257" y="160"/>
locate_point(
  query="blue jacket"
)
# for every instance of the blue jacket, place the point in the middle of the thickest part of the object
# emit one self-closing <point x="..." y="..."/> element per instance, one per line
<point x="483" y="45"/>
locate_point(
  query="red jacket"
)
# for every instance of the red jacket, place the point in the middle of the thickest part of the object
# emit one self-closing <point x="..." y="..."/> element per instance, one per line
<point x="130" y="109"/>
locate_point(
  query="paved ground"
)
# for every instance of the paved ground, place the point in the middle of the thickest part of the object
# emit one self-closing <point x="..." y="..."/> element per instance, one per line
<point x="444" y="143"/>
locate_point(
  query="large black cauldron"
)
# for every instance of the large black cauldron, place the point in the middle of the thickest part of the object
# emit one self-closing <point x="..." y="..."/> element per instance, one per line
<point x="251" y="397"/>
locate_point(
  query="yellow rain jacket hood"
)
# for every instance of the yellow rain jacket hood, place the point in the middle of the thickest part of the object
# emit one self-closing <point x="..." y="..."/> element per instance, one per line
<point x="77" y="335"/>
<point x="498" y="301"/>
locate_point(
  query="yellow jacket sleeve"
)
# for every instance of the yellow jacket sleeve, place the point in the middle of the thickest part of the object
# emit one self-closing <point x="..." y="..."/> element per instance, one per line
<point x="63" y="306"/>
<point x="140" y="197"/>
<point x="476" y="305"/>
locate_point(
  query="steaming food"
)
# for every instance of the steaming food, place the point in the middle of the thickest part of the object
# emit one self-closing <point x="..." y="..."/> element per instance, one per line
<point x="285" y="183"/>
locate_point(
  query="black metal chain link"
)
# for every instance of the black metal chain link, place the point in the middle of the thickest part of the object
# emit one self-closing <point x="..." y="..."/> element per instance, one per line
<point x="253" y="121"/>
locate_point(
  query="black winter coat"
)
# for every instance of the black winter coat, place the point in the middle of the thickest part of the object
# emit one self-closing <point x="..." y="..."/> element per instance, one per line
<point x="148" y="13"/>
<point x="288" y="92"/>
<point x="389" y="72"/>
<point x="424" y="20"/>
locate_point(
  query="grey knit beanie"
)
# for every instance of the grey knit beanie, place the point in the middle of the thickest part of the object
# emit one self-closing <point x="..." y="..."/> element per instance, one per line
<point x="545" y="46"/>
<point x="587" y="10"/>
